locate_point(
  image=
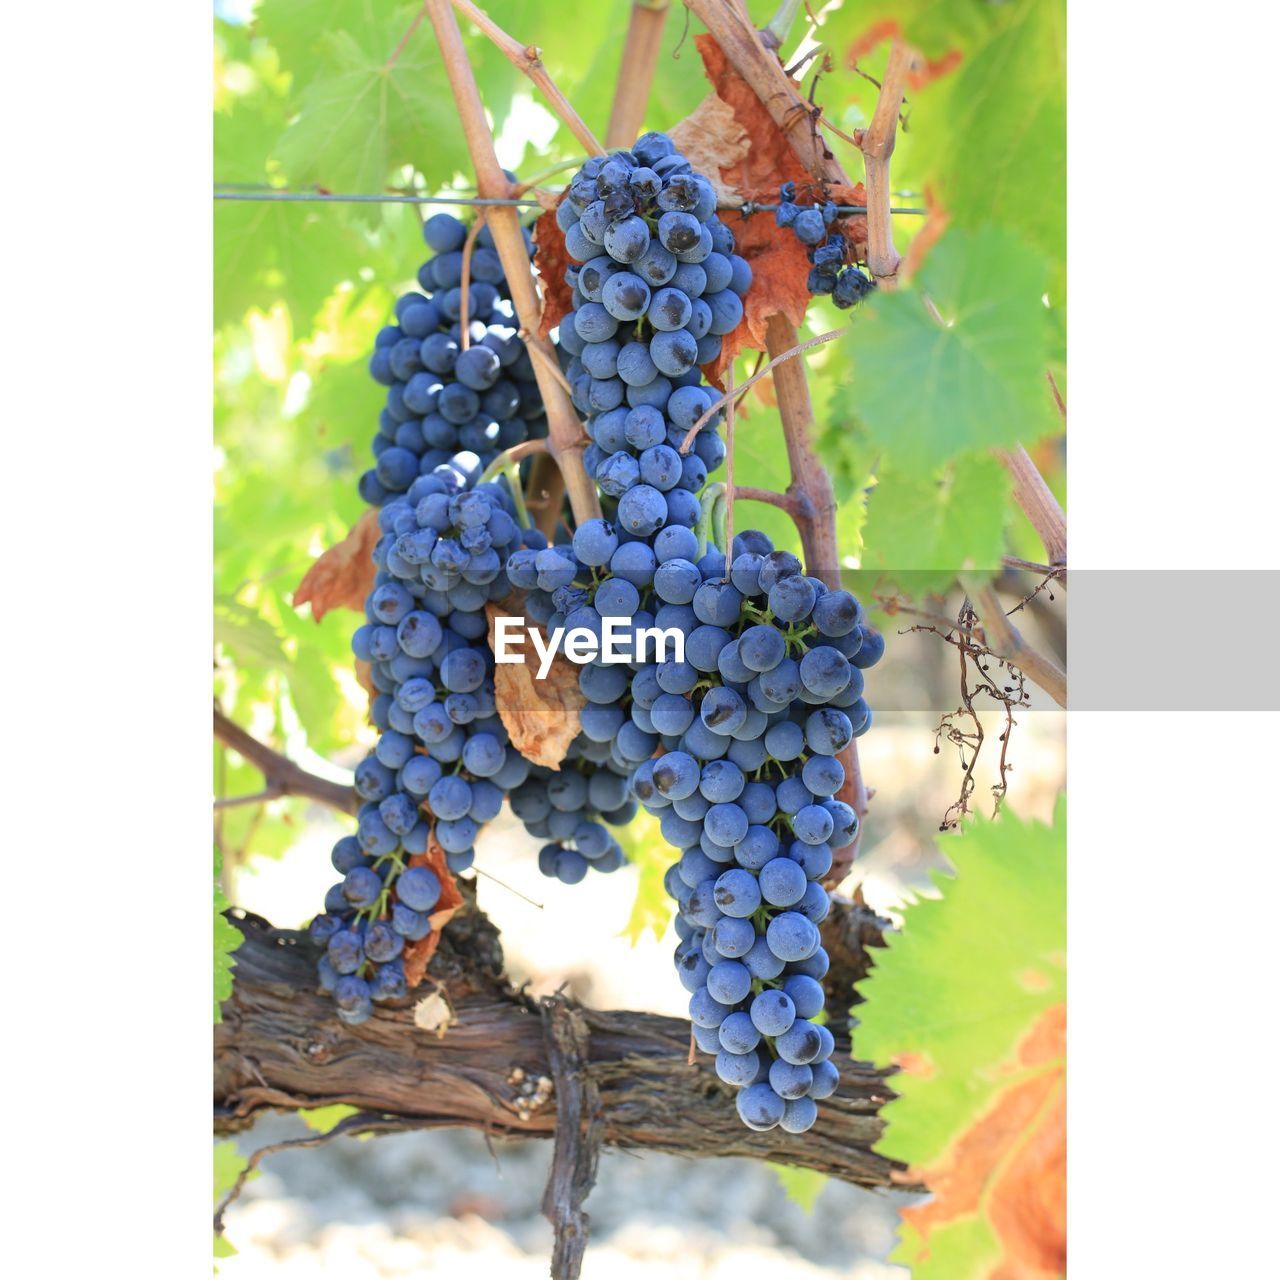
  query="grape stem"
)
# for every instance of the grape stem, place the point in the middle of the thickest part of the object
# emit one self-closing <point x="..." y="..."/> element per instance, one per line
<point x="774" y="34"/>
<point x="732" y="397"/>
<point x="468" y="247"/>
<point x="517" y="453"/>
<point x="710" y="496"/>
<point x="876" y="142"/>
<point x="639" y="61"/>
<point x="566" y="440"/>
<point x="528" y="59"/>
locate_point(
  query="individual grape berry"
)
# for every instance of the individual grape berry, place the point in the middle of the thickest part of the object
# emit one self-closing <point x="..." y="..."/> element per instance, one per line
<point x="418" y="888"/>
<point x="760" y="1108"/>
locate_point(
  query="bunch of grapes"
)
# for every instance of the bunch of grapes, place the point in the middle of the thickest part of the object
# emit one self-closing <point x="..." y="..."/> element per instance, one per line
<point x="443" y="751"/>
<point x="734" y="747"/>
<point x="751" y="725"/>
<point x="658" y="286"/>
<point x="447" y="391"/>
<point x="812" y="226"/>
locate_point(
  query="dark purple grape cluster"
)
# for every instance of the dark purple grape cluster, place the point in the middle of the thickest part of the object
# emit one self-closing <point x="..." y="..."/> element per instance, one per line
<point x="444" y="753"/>
<point x="751" y="726"/>
<point x="827" y="248"/>
<point x="444" y="397"/>
<point x="657" y="287"/>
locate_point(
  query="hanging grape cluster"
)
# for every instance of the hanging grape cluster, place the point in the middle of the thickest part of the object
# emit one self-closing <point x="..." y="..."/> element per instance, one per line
<point x="735" y="747"/>
<point x="450" y="389"/>
<point x="828" y="250"/>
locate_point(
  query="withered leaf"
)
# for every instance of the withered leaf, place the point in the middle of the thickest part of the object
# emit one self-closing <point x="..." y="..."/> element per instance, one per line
<point x="1011" y="1163"/>
<point x="779" y="263"/>
<point x="417" y="955"/>
<point x="542" y="716"/>
<point x="342" y="576"/>
<point x="712" y="140"/>
<point x="550" y="262"/>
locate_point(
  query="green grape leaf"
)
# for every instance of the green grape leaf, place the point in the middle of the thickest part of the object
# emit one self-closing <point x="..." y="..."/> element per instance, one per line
<point x="801" y="1185"/>
<point x="246" y="633"/>
<point x="969" y="1000"/>
<point x="297" y="28"/>
<point x="927" y="391"/>
<point x="650" y="854"/>
<point x="925" y="528"/>
<point x="322" y="1119"/>
<point x="226" y="938"/>
<point x="227" y="1166"/>
<point x="372" y="108"/>
<point x="985" y="162"/>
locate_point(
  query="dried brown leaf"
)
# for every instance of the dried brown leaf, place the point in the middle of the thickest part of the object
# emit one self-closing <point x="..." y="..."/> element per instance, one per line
<point x="1011" y="1163"/>
<point x="417" y="955"/>
<point x="550" y="261"/>
<point x="342" y="576"/>
<point x="542" y="716"/>
<point x="779" y="263"/>
<point x="712" y="140"/>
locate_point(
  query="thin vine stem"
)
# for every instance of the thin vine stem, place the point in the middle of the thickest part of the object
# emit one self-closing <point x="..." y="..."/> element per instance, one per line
<point x="565" y="435"/>
<point x="733" y="396"/>
<point x="528" y="59"/>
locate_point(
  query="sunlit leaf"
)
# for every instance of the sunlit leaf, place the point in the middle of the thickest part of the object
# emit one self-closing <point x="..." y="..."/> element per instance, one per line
<point x="929" y="390"/>
<point x="968" y="1000"/>
<point x="651" y="856"/>
<point x="226" y="938"/>
<point x="929" y="527"/>
<point x="802" y="1186"/>
<point x="373" y="106"/>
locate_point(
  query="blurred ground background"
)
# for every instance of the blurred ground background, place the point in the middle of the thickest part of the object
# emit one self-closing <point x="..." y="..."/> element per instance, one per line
<point x="428" y="1204"/>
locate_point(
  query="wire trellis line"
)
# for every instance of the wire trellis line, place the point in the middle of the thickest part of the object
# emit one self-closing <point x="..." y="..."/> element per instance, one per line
<point x="747" y="208"/>
<point x="328" y="197"/>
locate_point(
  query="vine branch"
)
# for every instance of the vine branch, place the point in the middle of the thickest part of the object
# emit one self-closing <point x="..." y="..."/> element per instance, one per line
<point x="1036" y="499"/>
<point x="876" y="144"/>
<point x="759" y="66"/>
<point x="528" y="59"/>
<point x="732" y="396"/>
<point x="283" y="776"/>
<point x="280" y="1046"/>
<point x="565" y="438"/>
<point x="577" y="1137"/>
<point x="639" y="62"/>
<point x="815" y="518"/>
